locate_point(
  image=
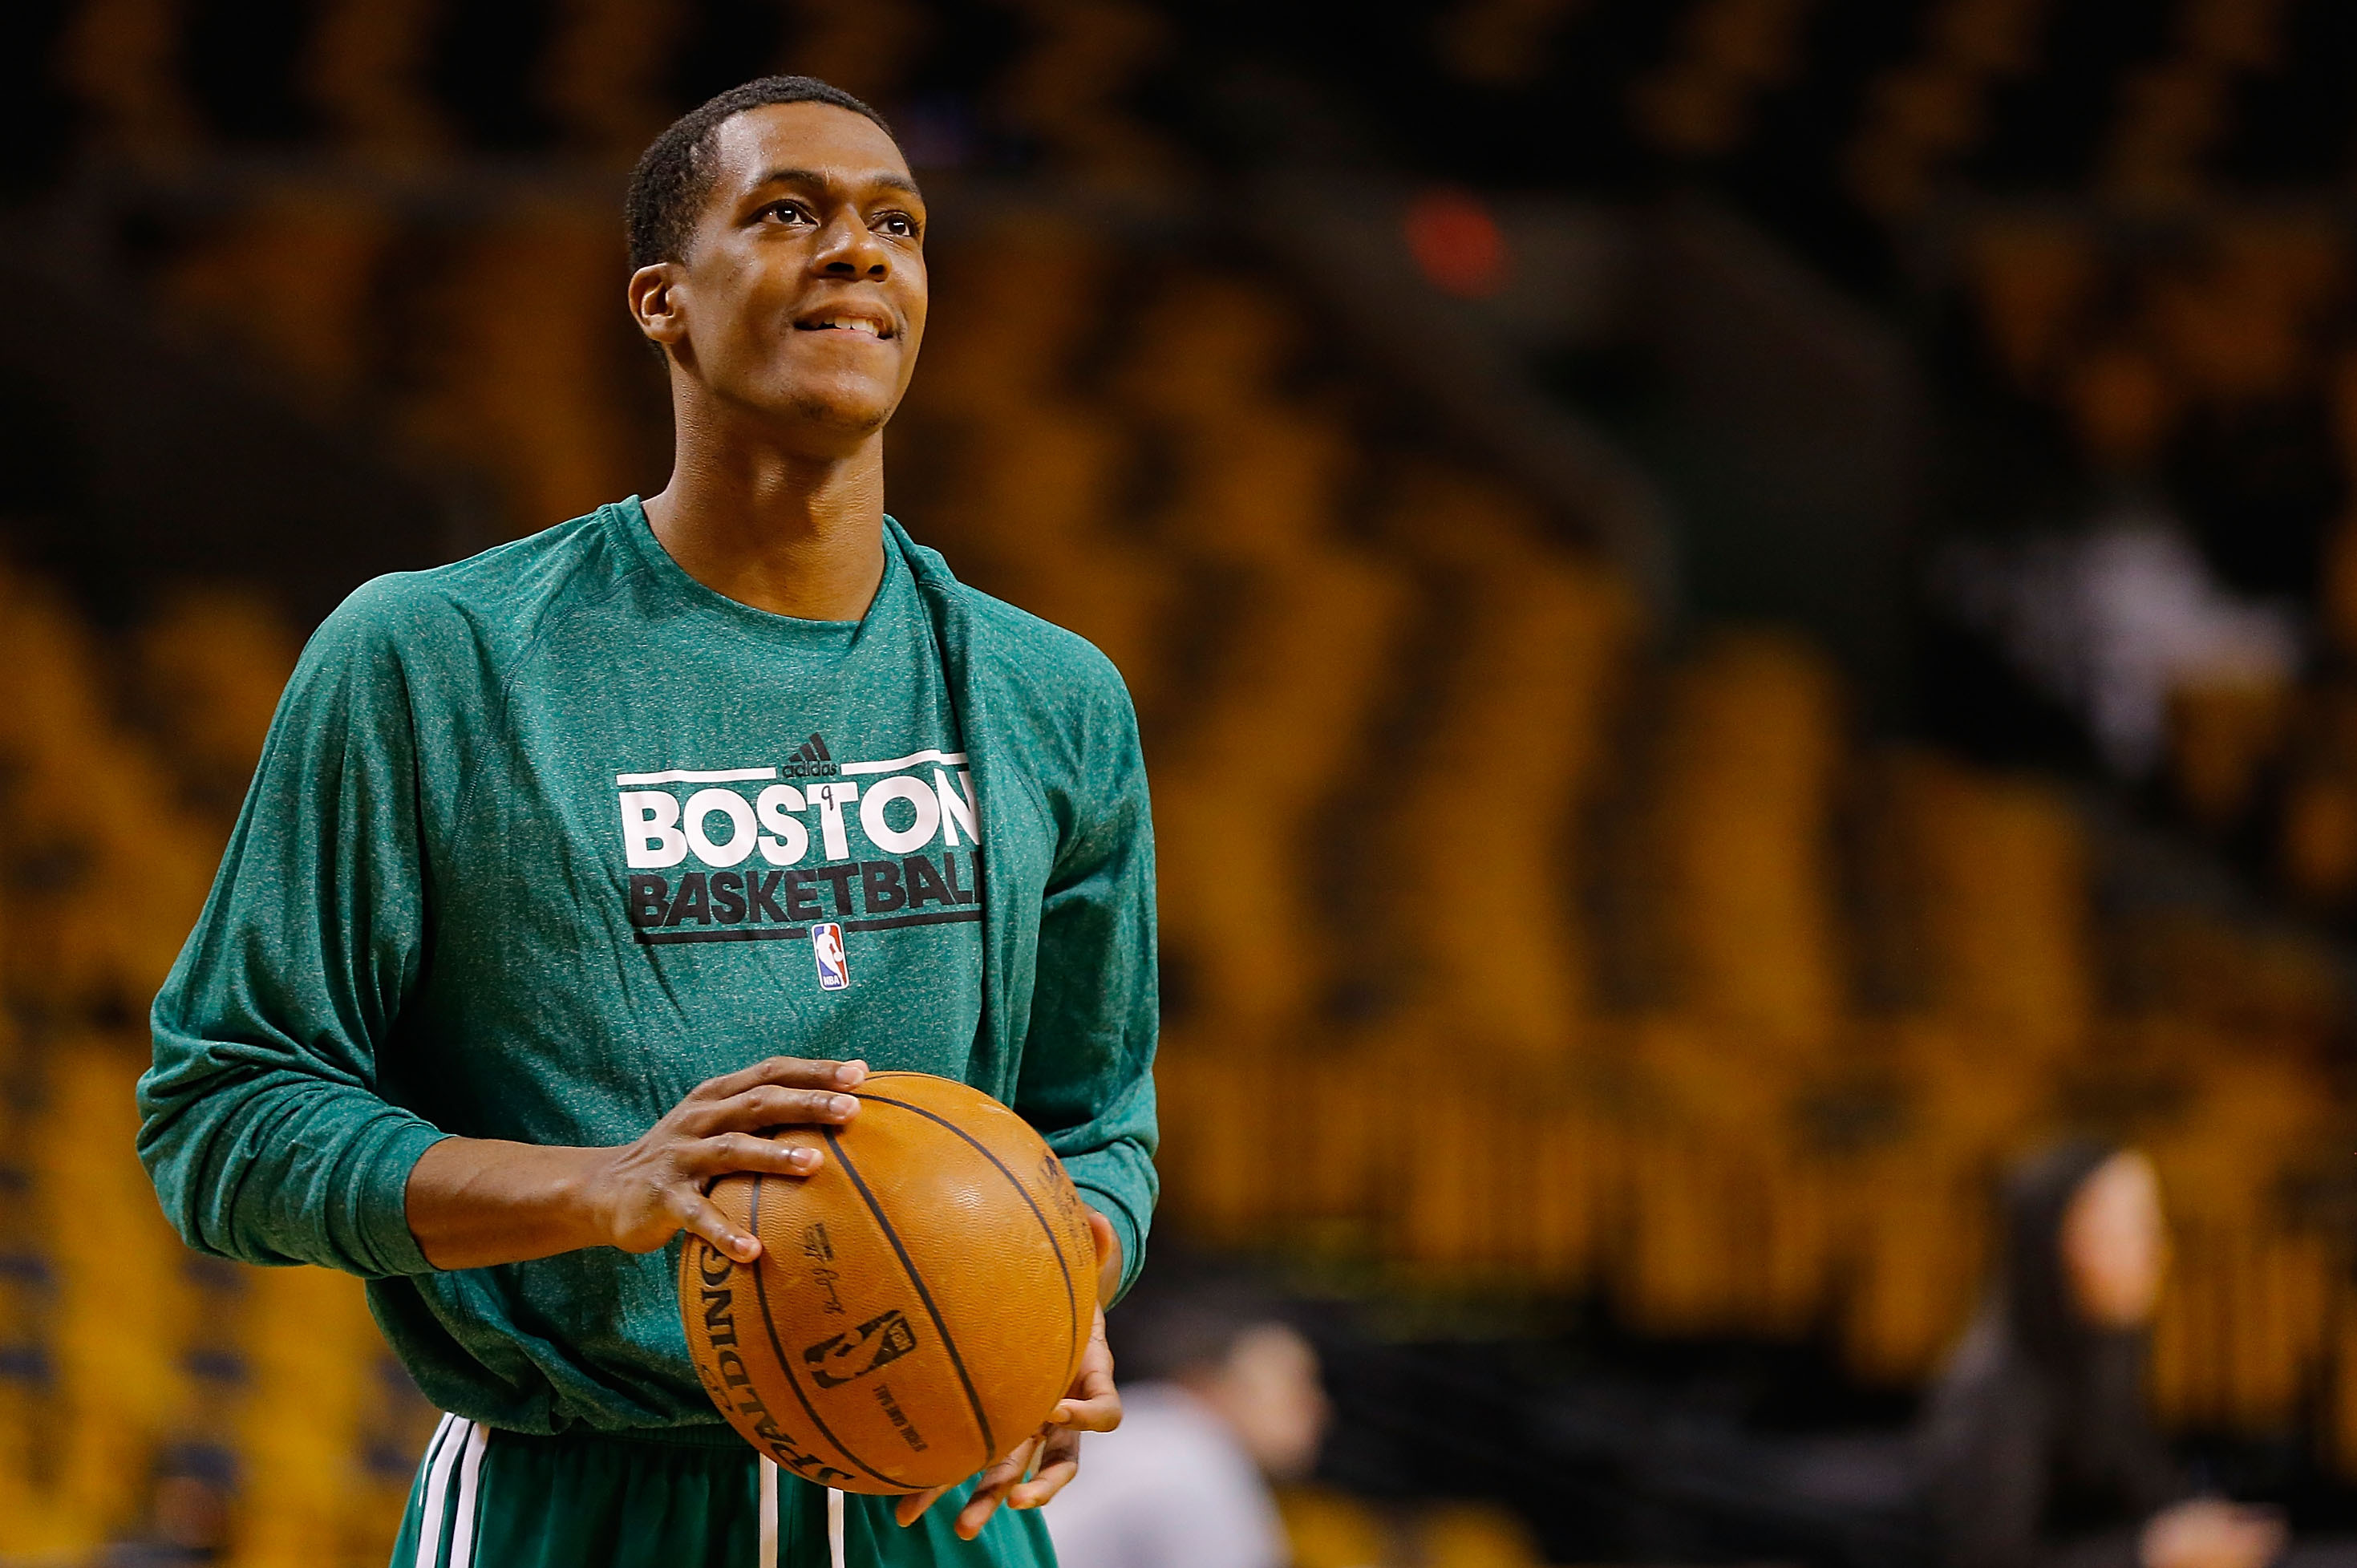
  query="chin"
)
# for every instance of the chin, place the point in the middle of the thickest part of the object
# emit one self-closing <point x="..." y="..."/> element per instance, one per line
<point x="852" y="411"/>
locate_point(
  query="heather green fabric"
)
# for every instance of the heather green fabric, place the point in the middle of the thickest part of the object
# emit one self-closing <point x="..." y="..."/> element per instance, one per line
<point x="428" y="922"/>
<point x="589" y="1501"/>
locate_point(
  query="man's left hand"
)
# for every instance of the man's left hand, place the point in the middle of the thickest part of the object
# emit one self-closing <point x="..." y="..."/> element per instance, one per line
<point x="1050" y="1457"/>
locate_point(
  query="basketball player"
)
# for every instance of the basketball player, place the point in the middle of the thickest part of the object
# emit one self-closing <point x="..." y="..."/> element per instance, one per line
<point x="512" y="952"/>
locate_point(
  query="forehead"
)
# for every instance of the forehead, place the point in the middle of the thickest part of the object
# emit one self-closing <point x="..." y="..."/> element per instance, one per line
<point x="844" y="147"/>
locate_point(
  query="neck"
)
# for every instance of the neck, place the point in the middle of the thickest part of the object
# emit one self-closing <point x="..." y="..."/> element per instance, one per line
<point x="783" y="530"/>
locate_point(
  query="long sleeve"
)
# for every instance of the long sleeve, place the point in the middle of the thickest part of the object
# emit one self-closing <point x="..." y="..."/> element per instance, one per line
<point x="1087" y="1078"/>
<point x="262" y="1126"/>
<point x="1990" y="1468"/>
<point x="1987" y="1484"/>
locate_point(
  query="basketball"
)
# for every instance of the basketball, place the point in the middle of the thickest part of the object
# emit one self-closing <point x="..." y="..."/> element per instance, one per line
<point x="921" y="1302"/>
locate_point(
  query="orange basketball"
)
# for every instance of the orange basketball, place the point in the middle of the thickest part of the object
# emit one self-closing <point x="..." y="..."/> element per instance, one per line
<point x="919" y="1305"/>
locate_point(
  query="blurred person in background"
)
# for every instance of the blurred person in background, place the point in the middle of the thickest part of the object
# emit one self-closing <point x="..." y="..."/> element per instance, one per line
<point x="1231" y="1401"/>
<point x="2038" y="1446"/>
<point x="188" y="1514"/>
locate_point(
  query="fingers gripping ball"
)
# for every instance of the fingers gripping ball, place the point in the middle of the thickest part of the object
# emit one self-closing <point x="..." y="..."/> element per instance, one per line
<point x="921" y="1303"/>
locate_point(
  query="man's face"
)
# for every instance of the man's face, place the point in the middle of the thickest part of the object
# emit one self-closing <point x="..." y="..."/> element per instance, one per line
<point x="802" y="294"/>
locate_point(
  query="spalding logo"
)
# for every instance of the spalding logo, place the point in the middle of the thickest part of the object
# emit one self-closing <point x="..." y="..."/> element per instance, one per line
<point x="845" y="1357"/>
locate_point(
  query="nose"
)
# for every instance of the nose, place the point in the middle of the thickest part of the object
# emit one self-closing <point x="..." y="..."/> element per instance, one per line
<point x="849" y="249"/>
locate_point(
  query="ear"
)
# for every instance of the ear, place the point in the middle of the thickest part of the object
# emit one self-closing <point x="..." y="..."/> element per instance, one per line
<point x="655" y="302"/>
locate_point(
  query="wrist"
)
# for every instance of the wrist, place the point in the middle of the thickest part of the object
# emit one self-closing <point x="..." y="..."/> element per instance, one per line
<point x="576" y="1202"/>
<point x="475" y="1202"/>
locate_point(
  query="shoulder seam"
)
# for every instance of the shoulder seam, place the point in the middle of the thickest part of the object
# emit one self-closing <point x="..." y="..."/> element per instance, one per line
<point x="507" y="675"/>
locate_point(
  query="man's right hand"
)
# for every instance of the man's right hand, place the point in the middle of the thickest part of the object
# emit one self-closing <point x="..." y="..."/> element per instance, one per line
<point x="473" y="1202"/>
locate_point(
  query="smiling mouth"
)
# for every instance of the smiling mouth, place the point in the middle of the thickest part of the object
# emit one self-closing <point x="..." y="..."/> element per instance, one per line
<point x="859" y="326"/>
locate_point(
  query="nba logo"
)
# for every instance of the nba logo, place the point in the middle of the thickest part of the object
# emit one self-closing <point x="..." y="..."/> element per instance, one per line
<point x="826" y="947"/>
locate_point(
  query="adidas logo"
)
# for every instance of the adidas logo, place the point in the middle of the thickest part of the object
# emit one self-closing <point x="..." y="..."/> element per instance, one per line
<point x="809" y="762"/>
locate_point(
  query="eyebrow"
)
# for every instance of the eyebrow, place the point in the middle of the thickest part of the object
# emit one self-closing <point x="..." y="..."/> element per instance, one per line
<point x="813" y="176"/>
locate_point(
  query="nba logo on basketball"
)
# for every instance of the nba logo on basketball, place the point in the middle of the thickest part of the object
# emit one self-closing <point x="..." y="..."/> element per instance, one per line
<point x="826" y="947"/>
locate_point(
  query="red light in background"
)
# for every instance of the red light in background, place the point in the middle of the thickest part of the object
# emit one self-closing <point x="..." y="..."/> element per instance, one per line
<point x="1456" y="243"/>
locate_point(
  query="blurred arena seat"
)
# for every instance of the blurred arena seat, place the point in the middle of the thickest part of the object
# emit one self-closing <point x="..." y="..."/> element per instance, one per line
<point x="118" y="1347"/>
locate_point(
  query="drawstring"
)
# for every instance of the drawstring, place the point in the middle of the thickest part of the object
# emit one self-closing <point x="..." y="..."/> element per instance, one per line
<point x="768" y="1550"/>
<point x="769" y="1530"/>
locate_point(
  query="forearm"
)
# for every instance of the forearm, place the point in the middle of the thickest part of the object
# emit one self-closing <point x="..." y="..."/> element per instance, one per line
<point x="475" y="1202"/>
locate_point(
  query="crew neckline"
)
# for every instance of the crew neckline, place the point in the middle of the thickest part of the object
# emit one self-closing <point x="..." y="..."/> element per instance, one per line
<point x="818" y="636"/>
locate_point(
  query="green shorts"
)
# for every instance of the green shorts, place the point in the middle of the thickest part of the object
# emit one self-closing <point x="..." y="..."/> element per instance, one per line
<point x="694" y="1498"/>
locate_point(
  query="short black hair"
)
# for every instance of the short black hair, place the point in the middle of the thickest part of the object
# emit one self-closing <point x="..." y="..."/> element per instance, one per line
<point x="1190" y="1321"/>
<point x="675" y="174"/>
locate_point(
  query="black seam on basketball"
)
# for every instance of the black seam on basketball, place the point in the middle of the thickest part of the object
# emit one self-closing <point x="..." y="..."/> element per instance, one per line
<point x="909" y="1265"/>
<point x="769" y="1327"/>
<point x="1072" y="1297"/>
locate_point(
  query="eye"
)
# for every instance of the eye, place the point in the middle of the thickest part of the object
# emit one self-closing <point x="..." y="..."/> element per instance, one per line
<point x="788" y="212"/>
<point x="899" y="225"/>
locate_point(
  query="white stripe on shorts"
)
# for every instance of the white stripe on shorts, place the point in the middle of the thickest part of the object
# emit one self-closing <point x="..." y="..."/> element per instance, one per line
<point x="441" y="1454"/>
<point x="768" y="1556"/>
<point x="470" y="1471"/>
<point x="835" y="1527"/>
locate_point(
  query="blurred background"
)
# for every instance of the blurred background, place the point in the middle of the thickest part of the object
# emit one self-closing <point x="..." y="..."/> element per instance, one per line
<point x="1743" y="610"/>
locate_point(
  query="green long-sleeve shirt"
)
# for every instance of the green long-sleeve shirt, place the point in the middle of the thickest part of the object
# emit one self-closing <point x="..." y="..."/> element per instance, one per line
<point x="544" y="839"/>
